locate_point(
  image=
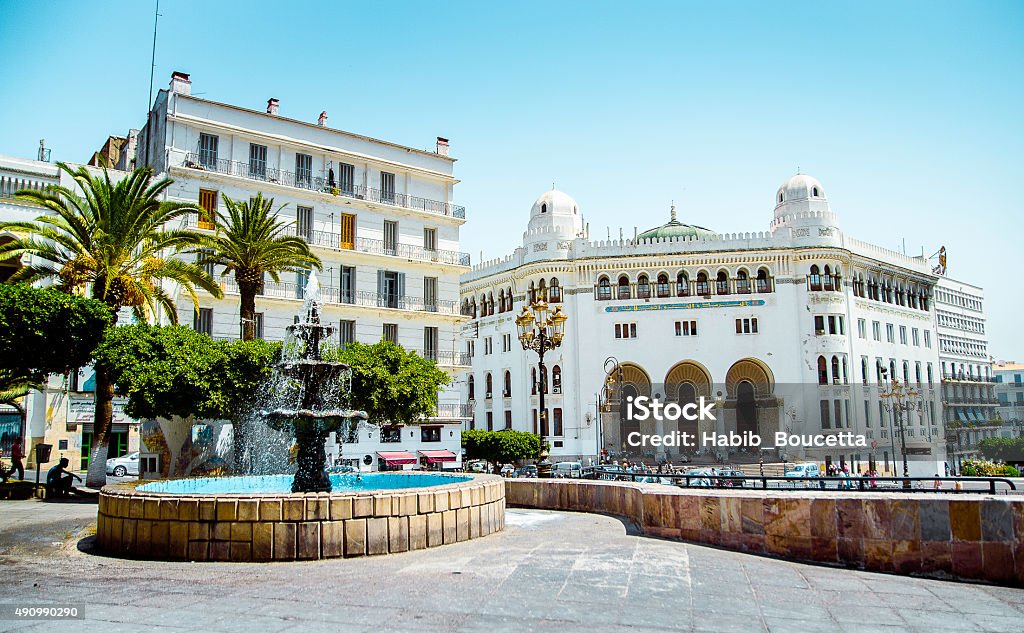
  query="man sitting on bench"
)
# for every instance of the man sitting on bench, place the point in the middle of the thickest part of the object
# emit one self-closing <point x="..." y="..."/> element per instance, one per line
<point x="58" y="479"/>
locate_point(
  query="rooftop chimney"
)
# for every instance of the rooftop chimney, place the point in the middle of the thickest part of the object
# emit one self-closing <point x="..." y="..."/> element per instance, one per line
<point x="442" y="146"/>
<point x="322" y="121"/>
<point x="180" y="83"/>
<point x="272" y="106"/>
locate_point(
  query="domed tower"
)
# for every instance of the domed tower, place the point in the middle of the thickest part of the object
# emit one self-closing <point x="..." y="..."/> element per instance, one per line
<point x="801" y="203"/>
<point x="555" y="221"/>
<point x="674" y="228"/>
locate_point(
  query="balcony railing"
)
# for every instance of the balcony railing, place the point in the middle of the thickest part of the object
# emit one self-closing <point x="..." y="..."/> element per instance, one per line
<point x="290" y="290"/>
<point x="379" y="247"/>
<point x="453" y="410"/>
<point x="967" y="378"/>
<point x="323" y="185"/>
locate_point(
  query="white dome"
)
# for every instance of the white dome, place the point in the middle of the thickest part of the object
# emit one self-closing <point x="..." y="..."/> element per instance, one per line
<point x="556" y="203"/>
<point x="799" y="187"/>
<point x="555" y="215"/>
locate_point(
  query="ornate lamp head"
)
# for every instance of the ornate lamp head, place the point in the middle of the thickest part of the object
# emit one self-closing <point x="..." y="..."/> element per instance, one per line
<point x="557" y="321"/>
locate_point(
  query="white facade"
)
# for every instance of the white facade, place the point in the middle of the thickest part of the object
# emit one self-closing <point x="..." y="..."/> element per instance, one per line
<point x="971" y="410"/>
<point x="791" y="338"/>
<point x="380" y="217"/>
<point x="1009" y="391"/>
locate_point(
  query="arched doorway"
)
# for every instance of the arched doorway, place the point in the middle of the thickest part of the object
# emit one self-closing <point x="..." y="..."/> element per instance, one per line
<point x="750" y="404"/>
<point x="686" y="382"/>
<point x="631" y="382"/>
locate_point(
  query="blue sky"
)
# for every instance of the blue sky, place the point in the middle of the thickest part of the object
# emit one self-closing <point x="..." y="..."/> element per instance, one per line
<point x="910" y="113"/>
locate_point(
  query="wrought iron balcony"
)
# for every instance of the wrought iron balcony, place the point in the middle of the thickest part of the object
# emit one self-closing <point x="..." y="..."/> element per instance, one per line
<point x="452" y="410"/>
<point x="330" y="294"/>
<point x="379" y="247"/>
<point x="322" y="185"/>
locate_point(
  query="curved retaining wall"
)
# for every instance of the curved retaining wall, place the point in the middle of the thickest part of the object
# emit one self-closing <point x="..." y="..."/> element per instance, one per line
<point x="972" y="536"/>
<point x="282" y="527"/>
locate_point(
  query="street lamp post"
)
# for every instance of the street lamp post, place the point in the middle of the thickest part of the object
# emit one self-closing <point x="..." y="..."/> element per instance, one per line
<point x="540" y="332"/>
<point x="613" y="379"/>
<point x="900" y="400"/>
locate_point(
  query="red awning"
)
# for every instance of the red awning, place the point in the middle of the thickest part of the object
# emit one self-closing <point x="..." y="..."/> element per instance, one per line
<point x="434" y="457"/>
<point x="397" y="457"/>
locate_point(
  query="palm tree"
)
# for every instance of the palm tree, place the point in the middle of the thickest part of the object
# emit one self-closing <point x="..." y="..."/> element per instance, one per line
<point x="251" y="242"/>
<point x="110" y="241"/>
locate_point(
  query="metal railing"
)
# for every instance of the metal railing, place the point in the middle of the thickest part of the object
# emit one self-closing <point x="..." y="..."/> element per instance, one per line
<point x="322" y="185"/>
<point x="449" y="410"/>
<point x="968" y="378"/>
<point x="330" y="294"/>
<point x="379" y="247"/>
<point x="848" y="484"/>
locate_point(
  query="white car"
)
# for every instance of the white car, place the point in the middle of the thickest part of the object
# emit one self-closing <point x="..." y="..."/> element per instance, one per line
<point x="124" y="465"/>
<point x="570" y="470"/>
<point x="807" y="469"/>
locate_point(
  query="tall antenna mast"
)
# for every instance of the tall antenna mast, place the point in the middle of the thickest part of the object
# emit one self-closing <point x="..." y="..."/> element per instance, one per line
<point x="152" y="65"/>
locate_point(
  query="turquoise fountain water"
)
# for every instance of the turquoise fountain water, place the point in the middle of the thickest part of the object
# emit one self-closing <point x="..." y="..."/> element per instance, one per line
<point x="278" y="484"/>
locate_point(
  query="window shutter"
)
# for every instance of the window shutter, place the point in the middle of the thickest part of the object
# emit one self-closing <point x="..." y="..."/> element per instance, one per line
<point x="401" y="287"/>
<point x="380" y="288"/>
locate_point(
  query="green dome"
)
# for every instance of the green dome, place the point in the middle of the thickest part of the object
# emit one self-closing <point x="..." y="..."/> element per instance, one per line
<point x="675" y="228"/>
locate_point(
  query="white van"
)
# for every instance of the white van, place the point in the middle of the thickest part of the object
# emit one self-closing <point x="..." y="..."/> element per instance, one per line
<point x="570" y="470"/>
<point x="804" y="470"/>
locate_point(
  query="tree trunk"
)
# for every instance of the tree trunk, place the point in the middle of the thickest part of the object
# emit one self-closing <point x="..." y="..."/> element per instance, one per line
<point x="247" y="310"/>
<point x="102" y="421"/>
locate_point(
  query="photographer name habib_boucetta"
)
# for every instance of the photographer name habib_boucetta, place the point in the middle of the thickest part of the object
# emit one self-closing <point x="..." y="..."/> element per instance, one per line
<point x="746" y="439"/>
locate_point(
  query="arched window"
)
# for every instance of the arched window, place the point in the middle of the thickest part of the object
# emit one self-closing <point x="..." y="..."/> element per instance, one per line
<point x="501" y="301"/>
<point x="814" y="192"/>
<point x="822" y="371"/>
<point x="722" y="283"/>
<point x="864" y="369"/>
<point x="604" y="289"/>
<point x="488" y="384"/>
<point x="643" y="287"/>
<point x="624" y="292"/>
<point x="508" y="299"/>
<point x="742" y="283"/>
<point x="465" y="307"/>
<point x="472" y="307"/>
<point x="682" y="285"/>
<point x="507" y="391"/>
<point x="892" y="370"/>
<point x="835" y="369"/>
<point x="906" y="373"/>
<point x="544" y="378"/>
<point x="472" y="388"/>
<point x="828" y="279"/>
<point x="815" y="278"/>
<point x="763" y="283"/>
<point x="490" y="303"/>
<point x="542" y="290"/>
<point x="533" y="293"/>
<point x="483" y="305"/>
<point x="780" y="198"/>
<point x="544" y="208"/>
<point x="929" y="373"/>
<point x="556" y="379"/>
<point x="662" y="285"/>
<point x="703" y="287"/>
<point x="555" y="291"/>
<point x="533" y="381"/>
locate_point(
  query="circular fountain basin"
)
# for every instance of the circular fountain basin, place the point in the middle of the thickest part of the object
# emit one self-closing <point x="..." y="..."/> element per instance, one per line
<point x="258" y="519"/>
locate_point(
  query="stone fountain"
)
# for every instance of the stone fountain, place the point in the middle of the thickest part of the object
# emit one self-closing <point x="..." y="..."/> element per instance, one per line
<point x="315" y="397"/>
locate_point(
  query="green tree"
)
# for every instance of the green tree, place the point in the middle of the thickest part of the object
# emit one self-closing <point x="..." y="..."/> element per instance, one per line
<point x="45" y="331"/>
<point x="500" y="447"/>
<point x="112" y="241"/>
<point x="391" y="384"/>
<point x="1007" y="449"/>
<point x="176" y="371"/>
<point x="251" y="242"/>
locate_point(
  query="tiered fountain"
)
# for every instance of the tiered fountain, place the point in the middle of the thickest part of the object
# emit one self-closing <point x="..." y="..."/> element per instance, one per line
<point x="254" y="518"/>
<point x="322" y="387"/>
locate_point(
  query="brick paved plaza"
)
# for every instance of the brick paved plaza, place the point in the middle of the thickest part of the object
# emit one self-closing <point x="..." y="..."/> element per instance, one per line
<point x="548" y="571"/>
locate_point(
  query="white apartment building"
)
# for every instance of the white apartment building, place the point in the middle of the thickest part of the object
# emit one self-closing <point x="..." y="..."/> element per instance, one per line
<point x="788" y="330"/>
<point x="379" y="215"/>
<point x="970" y="407"/>
<point x="1009" y="389"/>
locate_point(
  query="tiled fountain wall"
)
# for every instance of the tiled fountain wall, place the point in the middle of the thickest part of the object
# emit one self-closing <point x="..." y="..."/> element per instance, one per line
<point x="282" y="527"/>
<point x="964" y="536"/>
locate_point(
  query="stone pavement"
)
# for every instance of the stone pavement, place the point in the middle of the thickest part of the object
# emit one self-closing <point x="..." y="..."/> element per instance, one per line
<point x="548" y="571"/>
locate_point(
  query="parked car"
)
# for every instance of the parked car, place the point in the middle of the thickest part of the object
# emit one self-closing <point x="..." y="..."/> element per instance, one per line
<point x="526" y="471"/>
<point x="699" y="477"/>
<point x="804" y="470"/>
<point x="570" y="470"/>
<point x="507" y="470"/>
<point x="477" y="467"/>
<point x="124" y="465"/>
